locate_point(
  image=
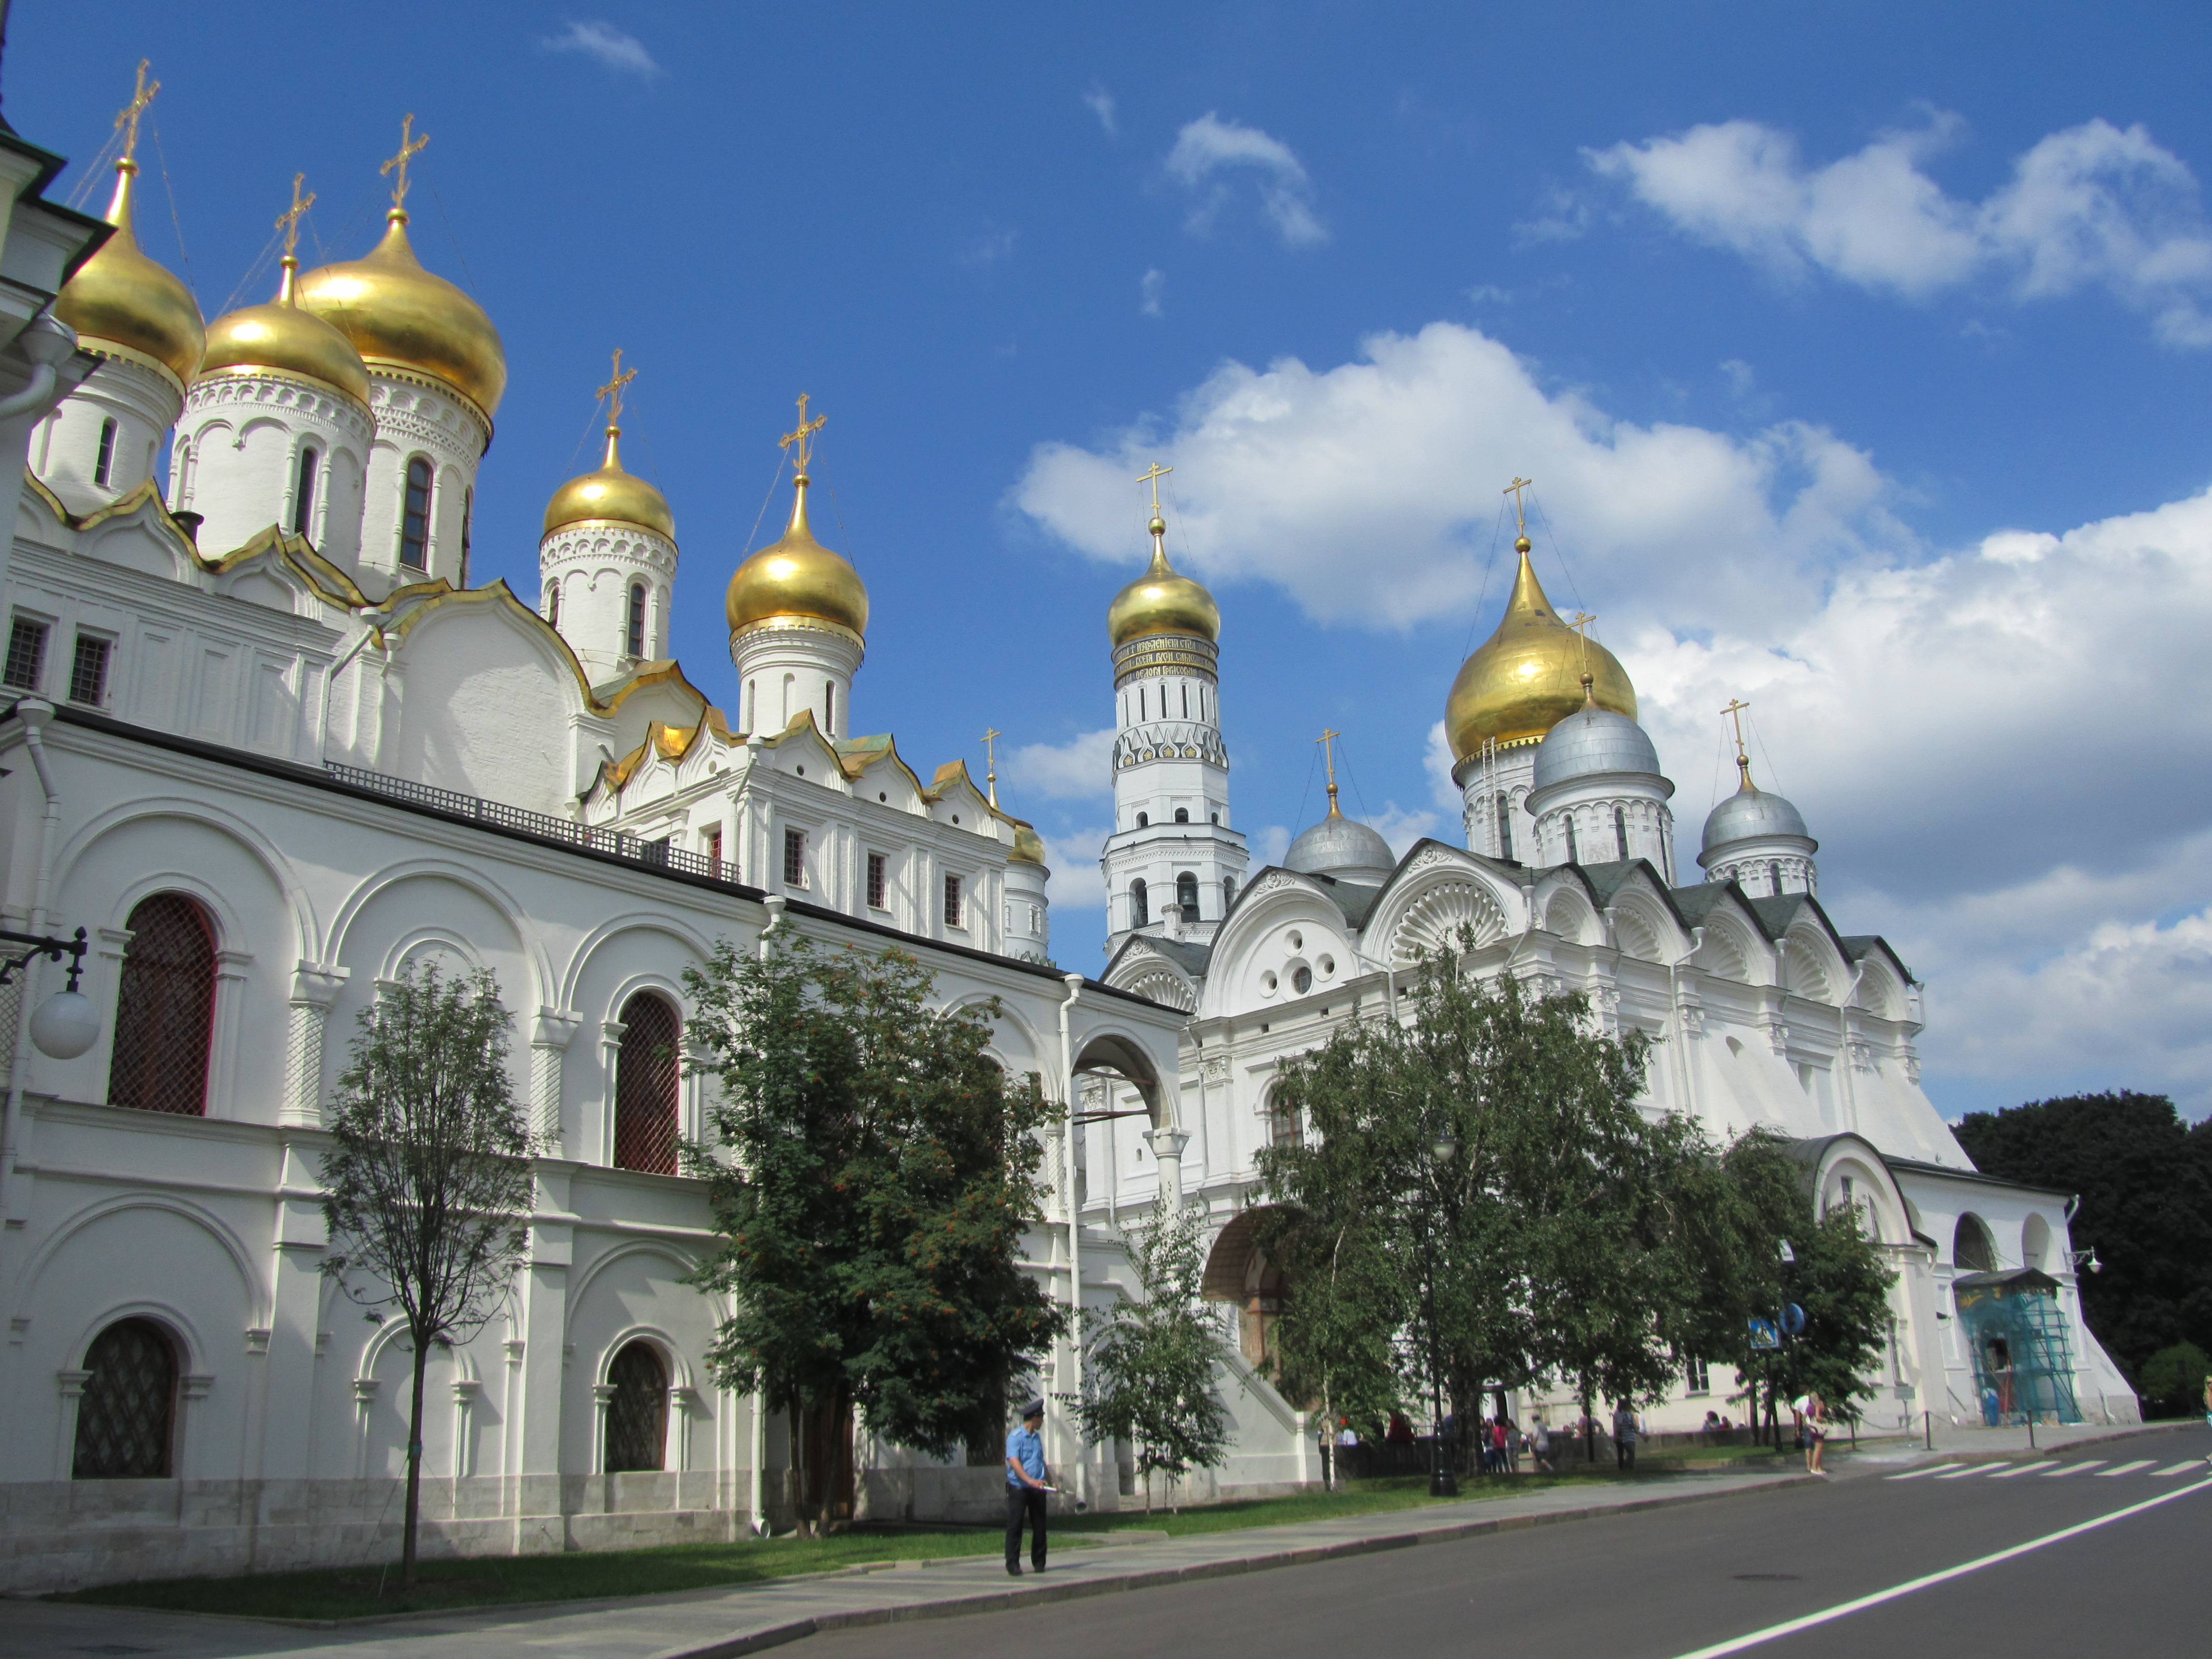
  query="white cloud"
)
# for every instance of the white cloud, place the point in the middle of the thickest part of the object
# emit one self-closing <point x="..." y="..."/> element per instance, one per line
<point x="1402" y="829"/>
<point x="1742" y="378"/>
<point x="1437" y="761"/>
<point x="990" y="247"/>
<point x="610" y="46"/>
<point x="1269" y="846"/>
<point x="1151" y="288"/>
<point x="1563" y="216"/>
<point x="1370" y="490"/>
<point x="2094" y="206"/>
<point x="1101" y="103"/>
<point x="1082" y="768"/>
<point x="1078" y="883"/>
<point x="1210" y="147"/>
<point x="2005" y="749"/>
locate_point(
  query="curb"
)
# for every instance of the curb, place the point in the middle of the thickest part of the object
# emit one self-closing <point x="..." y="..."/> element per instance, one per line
<point x="1008" y="1600"/>
<point x="1969" y="1455"/>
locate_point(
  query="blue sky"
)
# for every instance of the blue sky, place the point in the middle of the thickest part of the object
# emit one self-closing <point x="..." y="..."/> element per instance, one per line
<point x="1861" y="364"/>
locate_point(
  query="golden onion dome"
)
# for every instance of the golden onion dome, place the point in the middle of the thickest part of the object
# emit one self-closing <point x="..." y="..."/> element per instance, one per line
<point x="1528" y="676"/>
<point x="280" y="335"/>
<point x="1162" y="602"/>
<point x="798" y="577"/>
<point x="1028" y="845"/>
<point x="120" y="298"/>
<point x="400" y="316"/>
<point x="610" y="495"/>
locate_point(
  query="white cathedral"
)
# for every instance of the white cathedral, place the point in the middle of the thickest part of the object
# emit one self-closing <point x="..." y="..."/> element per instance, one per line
<point x="266" y="745"/>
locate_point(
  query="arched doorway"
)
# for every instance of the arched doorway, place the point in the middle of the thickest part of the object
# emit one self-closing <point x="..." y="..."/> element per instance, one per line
<point x="126" y="1418"/>
<point x="1238" y="1271"/>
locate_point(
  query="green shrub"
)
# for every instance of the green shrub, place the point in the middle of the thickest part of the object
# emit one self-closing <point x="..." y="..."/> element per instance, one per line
<point x="2174" y="1377"/>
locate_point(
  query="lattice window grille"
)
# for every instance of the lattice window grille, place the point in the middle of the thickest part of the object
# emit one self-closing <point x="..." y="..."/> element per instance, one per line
<point x="647" y="1083"/>
<point x="126" y="1418"/>
<point x="165" y="1009"/>
<point x="637" y="1410"/>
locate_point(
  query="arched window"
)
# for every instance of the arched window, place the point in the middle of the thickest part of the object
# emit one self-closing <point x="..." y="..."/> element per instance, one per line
<point x="1183" y="815"/>
<point x="165" y="1009"/>
<point x="1186" y="895"/>
<point x="1972" y="1250"/>
<point x="646" y="1082"/>
<point x="1505" y="827"/>
<point x="126" y="1418"/>
<point x="638" y="1409"/>
<point x="303" y="492"/>
<point x="103" y="465"/>
<point x="1140" y="911"/>
<point x="1144" y="819"/>
<point x="829" y="708"/>
<point x="1774" y="877"/>
<point x="553" y="603"/>
<point x="633" y="627"/>
<point x="1620" y="832"/>
<point x="415" y="521"/>
<point x="1228" y="893"/>
<point x="1574" y="853"/>
<point x="1282" y="1123"/>
<point x="468" y="520"/>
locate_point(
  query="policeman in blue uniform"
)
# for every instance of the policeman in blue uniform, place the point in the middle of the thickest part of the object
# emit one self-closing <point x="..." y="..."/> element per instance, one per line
<point x="1026" y="1489"/>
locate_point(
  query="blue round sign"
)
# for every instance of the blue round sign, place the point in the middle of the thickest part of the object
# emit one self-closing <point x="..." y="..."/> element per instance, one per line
<point x="1793" y="1319"/>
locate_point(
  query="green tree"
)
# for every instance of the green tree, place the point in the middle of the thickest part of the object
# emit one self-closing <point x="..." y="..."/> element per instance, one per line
<point x="871" y="1172"/>
<point x="427" y="1181"/>
<point x="1149" y="1379"/>
<point x="1764" y="1200"/>
<point x="1486" y="1155"/>
<point x="2145" y="1181"/>
<point x="2174" y="1377"/>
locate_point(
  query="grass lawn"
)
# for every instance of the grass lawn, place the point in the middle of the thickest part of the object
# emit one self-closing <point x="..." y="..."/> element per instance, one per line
<point x="488" y="1581"/>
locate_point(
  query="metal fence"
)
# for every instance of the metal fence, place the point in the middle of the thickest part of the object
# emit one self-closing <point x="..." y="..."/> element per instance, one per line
<point x="661" y="854"/>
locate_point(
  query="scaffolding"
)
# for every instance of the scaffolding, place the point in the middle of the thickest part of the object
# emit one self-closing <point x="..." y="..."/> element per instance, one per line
<point x="2016" y="1330"/>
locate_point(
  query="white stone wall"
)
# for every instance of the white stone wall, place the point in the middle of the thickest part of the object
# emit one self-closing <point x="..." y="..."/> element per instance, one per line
<point x="594" y="565"/>
<point x="143" y="401"/>
<point x="237" y="462"/>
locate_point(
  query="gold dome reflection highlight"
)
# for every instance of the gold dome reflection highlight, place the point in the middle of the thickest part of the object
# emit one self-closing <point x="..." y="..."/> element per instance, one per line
<point x="120" y="297"/>
<point x="798" y="577"/>
<point x="282" y="337"/>
<point x="1528" y="676"/>
<point x="610" y="494"/>
<point x="401" y="316"/>
<point x="1162" y="601"/>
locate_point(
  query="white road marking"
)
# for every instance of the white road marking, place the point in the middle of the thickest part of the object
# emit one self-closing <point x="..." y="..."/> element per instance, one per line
<point x="1970" y="1469"/>
<point x="1914" y="1474"/>
<point x="2074" y="1468"/>
<point x="2182" y="1467"/>
<point x="1791" y="1627"/>
<point x="2127" y="1468"/>
<point x="2026" y="1469"/>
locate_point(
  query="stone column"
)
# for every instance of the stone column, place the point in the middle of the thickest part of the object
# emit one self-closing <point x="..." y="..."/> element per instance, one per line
<point x="550" y="1035"/>
<point x="1167" y="1146"/>
<point x="315" y="988"/>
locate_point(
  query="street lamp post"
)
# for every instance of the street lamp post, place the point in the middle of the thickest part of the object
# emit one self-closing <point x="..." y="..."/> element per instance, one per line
<point x="1444" y="1481"/>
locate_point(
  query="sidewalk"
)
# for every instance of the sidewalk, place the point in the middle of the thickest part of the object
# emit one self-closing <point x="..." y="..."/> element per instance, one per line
<point x="722" y="1624"/>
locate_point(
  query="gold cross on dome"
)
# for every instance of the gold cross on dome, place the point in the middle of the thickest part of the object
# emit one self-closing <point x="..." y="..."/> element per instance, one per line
<point x="803" y="436"/>
<point x="289" y="221"/>
<point x="1328" y="741"/>
<point x="613" y="389"/>
<point x="1580" y="625"/>
<point x="1514" y="489"/>
<point x="991" y="736"/>
<point x="1153" y="478"/>
<point x="409" y="147"/>
<point x="1734" y="712"/>
<point x="127" y="119"/>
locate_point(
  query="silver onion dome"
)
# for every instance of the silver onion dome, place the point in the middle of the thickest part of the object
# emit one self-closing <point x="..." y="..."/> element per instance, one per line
<point x="1341" y="848"/>
<point x="1751" y="815"/>
<point x="1592" y="740"/>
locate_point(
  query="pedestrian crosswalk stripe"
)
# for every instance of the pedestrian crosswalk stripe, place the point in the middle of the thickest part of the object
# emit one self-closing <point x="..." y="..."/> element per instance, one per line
<point x="2026" y="1469"/>
<point x="1914" y="1474"/>
<point x="2182" y="1467"/>
<point x="2127" y="1468"/>
<point x="2074" y="1468"/>
<point x="1971" y="1468"/>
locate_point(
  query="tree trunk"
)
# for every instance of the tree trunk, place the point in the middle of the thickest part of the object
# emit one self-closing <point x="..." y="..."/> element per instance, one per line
<point x="414" y="1468"/>
<point x="802" y="1523"/>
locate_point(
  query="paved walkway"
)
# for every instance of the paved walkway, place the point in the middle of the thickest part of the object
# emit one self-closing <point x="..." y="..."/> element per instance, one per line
<point x="723" y="1623"/>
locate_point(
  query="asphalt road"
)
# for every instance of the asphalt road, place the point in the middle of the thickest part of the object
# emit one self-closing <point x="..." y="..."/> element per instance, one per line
<point x="1674" y="1582"/>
